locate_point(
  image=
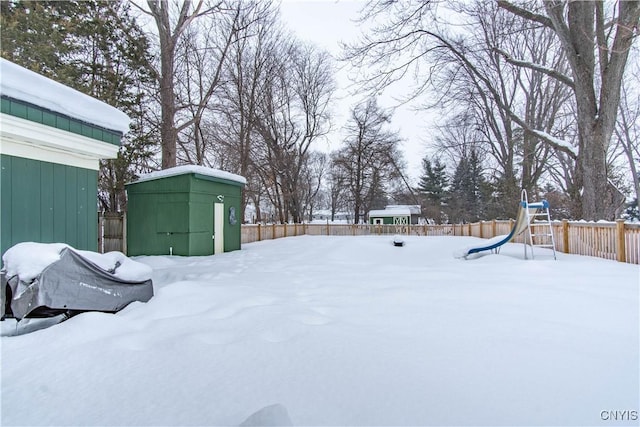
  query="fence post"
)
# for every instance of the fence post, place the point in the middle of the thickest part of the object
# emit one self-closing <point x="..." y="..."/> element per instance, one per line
<point x="100" y="232"/>
<point x="124" y="233"/>
<point x="273" y="230"/>
<point x="565" y="236"/>
<point x="620" y="243"/>
<point x="328" y="228"/>
<point x="259" y="232"/>
<point x="285" y="229"/>
<point x="493" y="228"/>
<point x="481" y="227"/>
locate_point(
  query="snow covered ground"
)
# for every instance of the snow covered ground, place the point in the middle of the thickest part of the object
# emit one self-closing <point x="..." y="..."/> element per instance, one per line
<point x="316" y="330"/>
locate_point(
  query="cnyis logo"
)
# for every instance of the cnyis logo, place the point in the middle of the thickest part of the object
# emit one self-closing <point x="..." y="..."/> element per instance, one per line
<point x="619" y="415"/>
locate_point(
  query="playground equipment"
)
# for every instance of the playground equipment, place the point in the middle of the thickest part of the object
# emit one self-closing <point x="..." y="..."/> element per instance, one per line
<point x="532" y="218"/>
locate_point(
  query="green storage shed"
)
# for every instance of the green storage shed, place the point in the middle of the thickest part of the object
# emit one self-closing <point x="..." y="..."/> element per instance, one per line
<point x="52" y="138"/>
<point x="186" y="210"/>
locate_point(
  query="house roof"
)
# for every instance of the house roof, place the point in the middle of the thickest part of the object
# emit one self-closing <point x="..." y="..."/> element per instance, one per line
<point x="415" y="209"/>
<point x="30" y="87"/>
<point x="390" y="212"/>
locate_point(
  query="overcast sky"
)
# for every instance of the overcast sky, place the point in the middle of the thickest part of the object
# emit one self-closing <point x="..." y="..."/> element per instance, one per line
<point x="326" y="23"/>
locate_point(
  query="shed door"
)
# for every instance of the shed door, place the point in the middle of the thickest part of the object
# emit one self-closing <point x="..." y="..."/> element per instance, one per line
<point x="218" y="228"/>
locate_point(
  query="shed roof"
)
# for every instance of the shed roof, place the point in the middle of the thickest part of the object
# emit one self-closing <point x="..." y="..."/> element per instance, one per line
<point x="25" y="85"/>
<point x="191" y="169"/>
<point x="390" y="212"/>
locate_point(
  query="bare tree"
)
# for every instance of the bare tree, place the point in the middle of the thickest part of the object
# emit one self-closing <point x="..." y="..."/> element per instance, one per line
<point x="337" y="187"/>
<point x="234" y="132"/>
<point x="291" y="115"/>
<point x="369" y="159"/>
<point x="173" y="20"/>
<point x="311" y="179"/>
<point x="414" y="36"/>
<point x="596" y="40"/>
<point x="628" y="127"/>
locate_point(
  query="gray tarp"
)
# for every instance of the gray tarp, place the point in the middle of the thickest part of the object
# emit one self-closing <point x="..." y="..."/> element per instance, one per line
<point x="76" y="284"/>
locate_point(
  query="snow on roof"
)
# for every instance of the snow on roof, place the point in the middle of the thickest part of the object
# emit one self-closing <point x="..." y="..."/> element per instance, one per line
<point x="25" y="85"/>
<point x="186" y="169"/>
<point x="390" y="212"/>
<point x="414" y="209"/>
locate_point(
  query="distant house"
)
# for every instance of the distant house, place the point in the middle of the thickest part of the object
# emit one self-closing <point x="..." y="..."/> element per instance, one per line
<point x="51" y="140"/>
<point x="324" y="215"/>
<point x="396" y="214"/>
<point x="416" y="211"/>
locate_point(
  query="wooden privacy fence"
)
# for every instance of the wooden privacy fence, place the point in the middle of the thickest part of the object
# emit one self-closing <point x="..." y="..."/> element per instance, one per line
<point x="112" y="232"/>
<point x="618" y="241"/>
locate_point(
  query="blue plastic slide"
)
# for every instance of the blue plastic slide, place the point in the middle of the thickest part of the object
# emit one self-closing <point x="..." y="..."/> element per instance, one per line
<point x="525" y="213"/>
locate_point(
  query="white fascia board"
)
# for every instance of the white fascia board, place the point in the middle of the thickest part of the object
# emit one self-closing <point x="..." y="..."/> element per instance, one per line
<point x="389" y="213"/>
<point x="27" y="139"/>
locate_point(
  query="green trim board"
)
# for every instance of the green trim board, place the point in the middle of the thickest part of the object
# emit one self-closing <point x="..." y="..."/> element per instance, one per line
<point x="48" y="203"/>
<point x="34" y="113"/>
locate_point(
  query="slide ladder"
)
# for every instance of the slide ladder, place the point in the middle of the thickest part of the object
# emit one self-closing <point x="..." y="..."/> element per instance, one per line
<point x="539" y="229"/>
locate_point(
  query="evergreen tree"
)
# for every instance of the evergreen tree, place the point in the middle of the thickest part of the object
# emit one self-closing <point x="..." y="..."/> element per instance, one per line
<point x="632" y="213"/>
<point x="97" y="48"/>
<point x="503" y="202"/>
<point x="433" y="187"/>
<point x="35" y="35"/>
<point x="469" y="190"/>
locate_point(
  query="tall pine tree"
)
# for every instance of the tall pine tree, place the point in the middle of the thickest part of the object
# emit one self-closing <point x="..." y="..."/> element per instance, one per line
<point x="97" y="48"/>
<point x="469" y="190"/>
<point x="433" y="187"/>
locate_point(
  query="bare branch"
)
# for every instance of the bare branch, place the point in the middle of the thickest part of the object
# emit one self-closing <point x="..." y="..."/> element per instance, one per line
<point x="536" y="67"/>
<point x="523" y="13"/>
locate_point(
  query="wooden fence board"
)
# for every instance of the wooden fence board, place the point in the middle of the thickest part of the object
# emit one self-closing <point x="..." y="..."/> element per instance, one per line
<point x="615" y="241"/>
<point x="602" y="240"/>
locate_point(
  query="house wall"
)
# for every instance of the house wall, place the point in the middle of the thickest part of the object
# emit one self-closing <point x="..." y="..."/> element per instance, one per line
<point x="386" y="220"/>
<point x="49" y="176"/>
<point x="178" y="212"/>
<point x="47" y="202"/>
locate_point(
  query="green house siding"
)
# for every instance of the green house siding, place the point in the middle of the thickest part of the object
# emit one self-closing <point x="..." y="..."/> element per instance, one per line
<point x="27" y="111"/>
<point x="386" y="220"/>
<point x="176" y="215"/>
<point x="47" y="202"/>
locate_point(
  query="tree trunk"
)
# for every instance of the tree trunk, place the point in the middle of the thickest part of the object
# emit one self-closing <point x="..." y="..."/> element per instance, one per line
<point x="596" y="112"/>
<point x="167" y="128"/>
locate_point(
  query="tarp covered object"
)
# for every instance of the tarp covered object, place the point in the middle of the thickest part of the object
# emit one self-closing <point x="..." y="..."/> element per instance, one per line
<point x="73" y="283"/>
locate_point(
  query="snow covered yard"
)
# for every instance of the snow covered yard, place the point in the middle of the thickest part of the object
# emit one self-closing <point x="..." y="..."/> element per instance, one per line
<point x="343" y="331"/>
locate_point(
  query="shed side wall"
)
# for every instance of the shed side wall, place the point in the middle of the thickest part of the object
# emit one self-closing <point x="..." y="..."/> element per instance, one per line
<point x="157" y="217"/>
